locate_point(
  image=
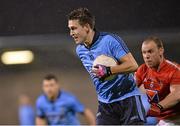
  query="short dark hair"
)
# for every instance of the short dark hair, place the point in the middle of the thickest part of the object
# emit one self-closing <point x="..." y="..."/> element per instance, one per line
<point x="50" y="77"/>
<point x="83" y="15"/>
<point x="156" y="40"/>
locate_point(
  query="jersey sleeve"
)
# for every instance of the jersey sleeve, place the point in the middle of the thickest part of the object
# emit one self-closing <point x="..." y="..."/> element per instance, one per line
<point x="139" y="75"/>
<point x="175" y="79"/>
<point x="118" y="47"/>
<point x="78" y="106"/>
<point x="39" y="110"/>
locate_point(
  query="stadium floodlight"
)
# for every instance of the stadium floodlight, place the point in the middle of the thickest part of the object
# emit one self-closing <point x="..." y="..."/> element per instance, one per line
<point x="17" y="57"/>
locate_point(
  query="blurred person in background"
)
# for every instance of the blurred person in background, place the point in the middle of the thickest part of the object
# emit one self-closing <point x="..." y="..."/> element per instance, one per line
<point x="26" y="111"/>
<point x="58" y="107"/>
<point x="118" y="96"/>
<point x="159" y="78"/>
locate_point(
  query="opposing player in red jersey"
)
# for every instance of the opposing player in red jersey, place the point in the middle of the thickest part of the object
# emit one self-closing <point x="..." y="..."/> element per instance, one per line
<point x="159" y="78"/>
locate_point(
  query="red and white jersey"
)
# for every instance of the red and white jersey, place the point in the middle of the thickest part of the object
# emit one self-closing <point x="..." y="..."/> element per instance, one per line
<point x="157" y="82"/>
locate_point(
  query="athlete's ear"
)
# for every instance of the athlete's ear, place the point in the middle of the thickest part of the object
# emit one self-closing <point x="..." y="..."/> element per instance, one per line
<point x="87" y="27"/>
<point x="58" y="85"/>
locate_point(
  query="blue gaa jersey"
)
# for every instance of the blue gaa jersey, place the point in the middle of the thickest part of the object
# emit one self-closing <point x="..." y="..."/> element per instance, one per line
<point x="60" y="112"/>
<point x="118" y="88"/>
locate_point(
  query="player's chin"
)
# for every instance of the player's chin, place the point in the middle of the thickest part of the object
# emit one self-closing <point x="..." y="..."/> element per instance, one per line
<point x="50" y="96"/>
<point x="149" y="65"/>
<point x="78" y="42"/>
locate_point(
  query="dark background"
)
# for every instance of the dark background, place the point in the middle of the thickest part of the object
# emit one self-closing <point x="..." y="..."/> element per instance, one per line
<point x="49" y="16"/>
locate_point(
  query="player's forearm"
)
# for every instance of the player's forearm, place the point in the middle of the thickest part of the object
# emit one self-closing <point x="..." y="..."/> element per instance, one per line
<point x="170" y="100"/>
<point x="40" y="121"/>
<point x="89" y="117"/>
<point x="126" y="67"/>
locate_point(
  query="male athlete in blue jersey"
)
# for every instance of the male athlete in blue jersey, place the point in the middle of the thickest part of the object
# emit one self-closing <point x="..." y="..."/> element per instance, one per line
<point x="118" y="96"/>
<point x="58" y="107"/>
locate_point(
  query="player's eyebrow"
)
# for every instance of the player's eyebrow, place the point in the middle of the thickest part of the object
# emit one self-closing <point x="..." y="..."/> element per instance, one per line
<point x="149" y="50"/>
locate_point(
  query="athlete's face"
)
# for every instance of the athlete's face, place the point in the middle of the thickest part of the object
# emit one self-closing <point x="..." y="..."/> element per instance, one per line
<point x="77" y="31"/>
<point x="50" y="88"/>
<point x="152" y="55"/>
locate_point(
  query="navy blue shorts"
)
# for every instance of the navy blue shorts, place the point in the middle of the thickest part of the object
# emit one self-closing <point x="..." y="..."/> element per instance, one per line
<point x="129" y="111"/>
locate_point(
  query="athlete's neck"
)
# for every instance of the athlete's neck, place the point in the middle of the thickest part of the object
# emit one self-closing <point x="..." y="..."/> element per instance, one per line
<point x="53" y="98"/>
<point x="89" y="39"/>
<point x="157" y="68"/>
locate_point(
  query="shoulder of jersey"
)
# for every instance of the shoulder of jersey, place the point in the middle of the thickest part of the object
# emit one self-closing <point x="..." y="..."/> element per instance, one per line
<point x="107" y="34"/>
<point x="173" y="65"/>
<point x="41" y="98"/>
<point x="66" y="93"/>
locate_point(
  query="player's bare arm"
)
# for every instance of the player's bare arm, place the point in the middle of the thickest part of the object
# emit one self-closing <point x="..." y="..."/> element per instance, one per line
<point x="127" y="65"/>
<point x="89" y="116"/>
<point x="40" y="121"/>
<point x="173" y="98"/>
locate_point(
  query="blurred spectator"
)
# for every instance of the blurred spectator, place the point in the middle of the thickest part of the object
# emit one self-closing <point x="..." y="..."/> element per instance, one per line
<point x="26" y="111"/>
